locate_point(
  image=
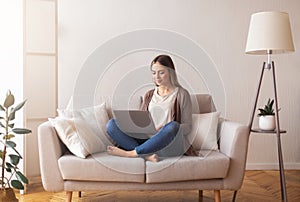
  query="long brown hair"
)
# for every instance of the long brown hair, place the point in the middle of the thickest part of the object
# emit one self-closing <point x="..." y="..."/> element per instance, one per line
<point x="167" y="62"/>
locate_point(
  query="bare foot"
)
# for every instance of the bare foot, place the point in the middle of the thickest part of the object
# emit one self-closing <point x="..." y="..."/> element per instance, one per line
<point x="152" y="158"/>
<point x="112" y="150"/>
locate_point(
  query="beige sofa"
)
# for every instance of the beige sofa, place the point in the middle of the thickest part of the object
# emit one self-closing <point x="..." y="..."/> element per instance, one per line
<point x="221" y="169"/>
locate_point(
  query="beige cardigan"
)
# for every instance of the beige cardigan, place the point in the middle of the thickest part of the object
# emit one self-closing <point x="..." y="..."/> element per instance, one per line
<point x="182" y="108"/>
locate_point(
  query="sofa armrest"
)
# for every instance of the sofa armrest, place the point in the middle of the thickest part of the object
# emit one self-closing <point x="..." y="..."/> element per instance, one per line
<point x="50" y="150"/>
<point x="234" y="139"/>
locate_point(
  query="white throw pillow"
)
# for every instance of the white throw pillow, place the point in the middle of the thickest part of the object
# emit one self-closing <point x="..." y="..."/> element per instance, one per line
<point x="77" y="136"/>
<point x="204" y="131"/>
<point x="95" y="118"/>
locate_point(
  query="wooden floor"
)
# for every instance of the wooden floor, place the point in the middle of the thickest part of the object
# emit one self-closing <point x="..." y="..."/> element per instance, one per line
<point x="258" y="186"/>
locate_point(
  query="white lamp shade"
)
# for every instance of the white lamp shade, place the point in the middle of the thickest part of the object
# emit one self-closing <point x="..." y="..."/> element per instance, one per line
<point x="269" y="31"/>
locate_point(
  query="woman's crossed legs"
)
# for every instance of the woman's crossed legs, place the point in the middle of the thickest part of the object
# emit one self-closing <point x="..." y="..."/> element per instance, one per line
<point x="133" y="147"/>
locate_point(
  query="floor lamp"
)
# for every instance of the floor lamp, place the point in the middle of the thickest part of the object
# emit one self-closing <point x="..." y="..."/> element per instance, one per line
<point x="270" y="33"/>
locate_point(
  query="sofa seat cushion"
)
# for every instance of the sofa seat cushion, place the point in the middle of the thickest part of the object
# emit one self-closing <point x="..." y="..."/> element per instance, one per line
<point x="213" y="165"/>
<point x="102" y="167"/>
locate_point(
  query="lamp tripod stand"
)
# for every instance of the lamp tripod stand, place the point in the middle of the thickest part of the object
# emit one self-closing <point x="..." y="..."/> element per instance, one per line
<point x="271" y="66"/>
<point x="270" y="33"/>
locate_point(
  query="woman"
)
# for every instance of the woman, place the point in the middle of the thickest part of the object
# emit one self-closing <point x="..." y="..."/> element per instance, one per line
<point x="170" y="107"/>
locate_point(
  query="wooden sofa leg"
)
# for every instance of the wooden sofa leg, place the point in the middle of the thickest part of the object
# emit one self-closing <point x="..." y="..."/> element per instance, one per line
<point x="217" y="195"/>
<point x="79" y="194"/>
<point x="200" y="195"/>
<point x="69" y="196"/>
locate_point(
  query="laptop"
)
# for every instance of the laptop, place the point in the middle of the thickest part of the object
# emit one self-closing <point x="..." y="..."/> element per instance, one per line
<point x="137" y="123"/>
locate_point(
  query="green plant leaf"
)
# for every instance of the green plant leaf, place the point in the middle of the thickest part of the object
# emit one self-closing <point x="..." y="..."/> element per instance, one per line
<point x="262" y="112"/>
<point x="11" y="116"/>
<point x="1" y="154"/>
<point x="17" y="184"/>
<point x="10" y="144"/>
<point x="21" y="177"/>
<point x="18" y="107"/>
<point x="17" y="153"/>
<point x="9" y="136"/>
<point x="2" y="125"/>
<point x="14" y="159"/>
<point x="9" y="165"/>
<point x="8" y="170"/>
<point x="2" y="108"/>
<point x="11" y="125"/>
<point x="271" y="103"/>
<point x="268" y="108"/>
<point x="21" y="130"/>
<point x="9" y="100"/>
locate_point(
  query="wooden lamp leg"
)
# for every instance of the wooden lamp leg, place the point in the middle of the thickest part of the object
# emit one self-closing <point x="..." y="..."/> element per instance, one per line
<point x="234" y="195"/>
<point x="280" y="158"/>
<point x="257" y="95"/>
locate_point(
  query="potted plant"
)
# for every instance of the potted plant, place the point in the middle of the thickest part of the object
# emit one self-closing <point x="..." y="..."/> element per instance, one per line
<point x="267" y="116"/>
<point x="11" y="176"/>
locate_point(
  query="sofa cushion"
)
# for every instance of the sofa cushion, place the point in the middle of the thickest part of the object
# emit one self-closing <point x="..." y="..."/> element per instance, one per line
<point x="202" y="103"/>
<point x="102" y="167"/>
<point x="213" y="165"/>
<point x="204" y="131"/>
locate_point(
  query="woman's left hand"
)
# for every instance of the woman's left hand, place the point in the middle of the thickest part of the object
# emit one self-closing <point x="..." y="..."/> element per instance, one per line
<point x="158" y="128"/>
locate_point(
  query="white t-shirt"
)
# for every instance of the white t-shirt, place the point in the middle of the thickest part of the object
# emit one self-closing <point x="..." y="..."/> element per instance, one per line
<point x="160" y="107"/>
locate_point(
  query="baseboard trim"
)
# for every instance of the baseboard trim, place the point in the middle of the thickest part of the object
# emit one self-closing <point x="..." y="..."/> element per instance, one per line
<point x="35" y="183"/>
<point x="272" y="166"/>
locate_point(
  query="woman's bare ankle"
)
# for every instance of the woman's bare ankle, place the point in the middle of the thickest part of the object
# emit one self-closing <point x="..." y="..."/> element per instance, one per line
<point x="112" y="150"/>
<point x="152" y="158"/>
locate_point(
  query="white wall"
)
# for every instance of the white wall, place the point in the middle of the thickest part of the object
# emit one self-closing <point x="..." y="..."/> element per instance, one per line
<point x="11" y="48"/>
<point x="218" y="27"/>
<point x="11" y="57"/>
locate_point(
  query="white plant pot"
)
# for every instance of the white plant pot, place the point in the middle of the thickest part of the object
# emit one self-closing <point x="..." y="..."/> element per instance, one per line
<point x="267" y="122"/>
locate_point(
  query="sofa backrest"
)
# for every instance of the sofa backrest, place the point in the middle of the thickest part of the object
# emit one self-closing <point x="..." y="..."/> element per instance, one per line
<point x="201" y="103"/>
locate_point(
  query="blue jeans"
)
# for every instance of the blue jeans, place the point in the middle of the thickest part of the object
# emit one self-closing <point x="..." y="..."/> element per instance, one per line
<point x="170" y="133"/>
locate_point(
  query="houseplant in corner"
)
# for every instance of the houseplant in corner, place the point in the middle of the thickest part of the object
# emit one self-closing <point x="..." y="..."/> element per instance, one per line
<point x="267" y="116"/>
<point x="11" y="176"/>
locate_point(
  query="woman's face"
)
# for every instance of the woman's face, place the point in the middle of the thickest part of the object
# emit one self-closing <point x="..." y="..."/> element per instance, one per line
<point x="160" y="74"/>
